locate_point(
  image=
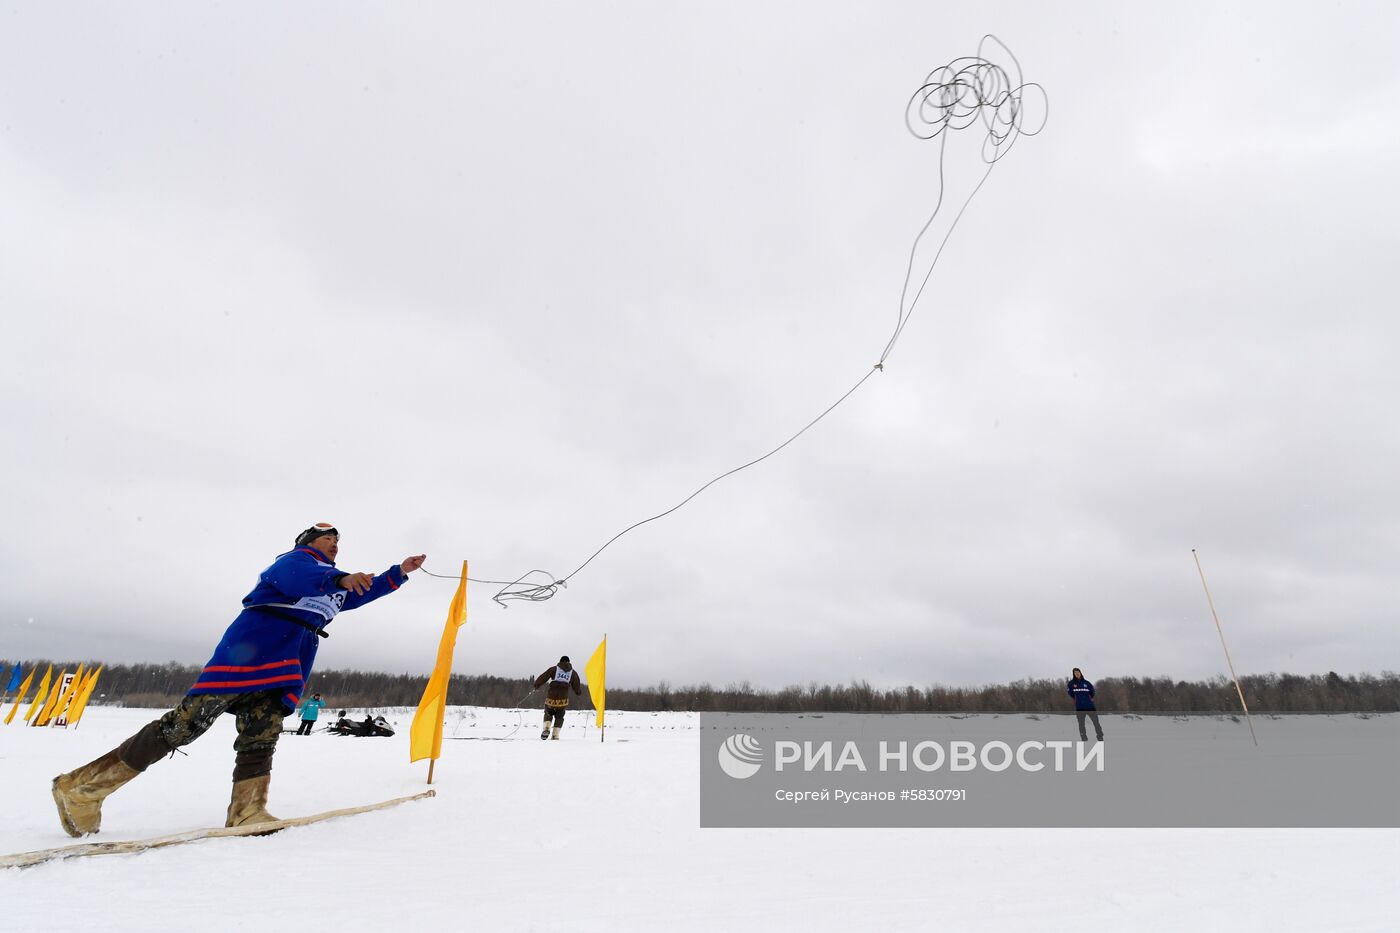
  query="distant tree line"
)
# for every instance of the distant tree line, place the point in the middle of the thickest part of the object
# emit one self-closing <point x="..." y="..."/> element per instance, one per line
<point x="1277" y="693"/>
<point x="162" y="685"/>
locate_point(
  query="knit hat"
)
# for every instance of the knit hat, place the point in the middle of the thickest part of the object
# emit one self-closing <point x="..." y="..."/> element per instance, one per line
<point x="314" y="532"/>
<point x="564" y="659"/>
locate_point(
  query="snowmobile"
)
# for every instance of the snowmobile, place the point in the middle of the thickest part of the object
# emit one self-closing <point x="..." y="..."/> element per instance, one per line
<point x="364" y="728"/>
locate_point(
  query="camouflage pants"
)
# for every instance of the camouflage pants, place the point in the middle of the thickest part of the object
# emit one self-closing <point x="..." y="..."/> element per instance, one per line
<point x="258" y="718"/>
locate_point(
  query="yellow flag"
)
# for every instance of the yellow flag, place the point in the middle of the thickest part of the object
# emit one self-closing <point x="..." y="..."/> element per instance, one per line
<point x="60" y="711"/>
<point x="596" y="670"/>
<point x="82" y="700"/>
<point x="425" y="735"/>
<point x="19" y="697"/>
<point x="41" y="695"/>
<point x="57" y="693"/>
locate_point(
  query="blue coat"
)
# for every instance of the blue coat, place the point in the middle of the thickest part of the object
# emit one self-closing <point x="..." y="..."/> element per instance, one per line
<point x="1082" y="691"/>
<point x="261" y="651"/>
<point x="311" y="709"/>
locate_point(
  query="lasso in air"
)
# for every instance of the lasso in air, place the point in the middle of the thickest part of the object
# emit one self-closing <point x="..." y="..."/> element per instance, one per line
<point x="965" y="94"/>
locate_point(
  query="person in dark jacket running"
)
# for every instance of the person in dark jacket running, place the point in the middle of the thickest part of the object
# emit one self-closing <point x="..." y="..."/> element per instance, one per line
<point x="257" y="673"/>
<point x="1083" y="693"/>
<point x="561" y="678"/>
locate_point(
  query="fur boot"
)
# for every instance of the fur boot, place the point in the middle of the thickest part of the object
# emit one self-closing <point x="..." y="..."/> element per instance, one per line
<point x="249" y="803"/>
<point x="79" y="794"/>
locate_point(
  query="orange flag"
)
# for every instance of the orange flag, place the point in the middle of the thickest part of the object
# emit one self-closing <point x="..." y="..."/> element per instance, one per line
<point x="596" y="670"/>
<point x="41" y="695"/>
<point x="81" y="701"/>
<point x="425" y="735"/>
<point x="59" y="691"/>
<point x="60" y="711"/>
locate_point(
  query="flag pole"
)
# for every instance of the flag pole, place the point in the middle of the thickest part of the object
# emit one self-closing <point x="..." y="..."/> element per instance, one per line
<point x="425" y="734"/>
<point x="1238" y="689"/>
<point x="597" y="671"/>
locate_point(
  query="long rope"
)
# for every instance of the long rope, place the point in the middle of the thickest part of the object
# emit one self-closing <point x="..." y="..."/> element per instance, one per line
<point x="955" y="96"/>
<point x="519" y="722"/>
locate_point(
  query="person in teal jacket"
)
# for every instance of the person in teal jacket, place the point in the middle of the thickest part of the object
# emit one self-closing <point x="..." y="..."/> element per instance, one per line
<point x="309" y="711"/>
<point x="257" y="674"/>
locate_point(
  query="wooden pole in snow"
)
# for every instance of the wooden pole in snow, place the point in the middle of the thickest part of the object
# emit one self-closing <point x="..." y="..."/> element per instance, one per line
<point x="1238" y="689"/>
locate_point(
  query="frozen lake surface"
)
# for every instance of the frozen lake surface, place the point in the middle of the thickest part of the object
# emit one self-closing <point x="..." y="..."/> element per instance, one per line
<point x="530" y="835"/>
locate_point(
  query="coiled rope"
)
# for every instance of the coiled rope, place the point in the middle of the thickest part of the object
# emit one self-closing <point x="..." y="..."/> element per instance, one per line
<point x="958" y="96"/>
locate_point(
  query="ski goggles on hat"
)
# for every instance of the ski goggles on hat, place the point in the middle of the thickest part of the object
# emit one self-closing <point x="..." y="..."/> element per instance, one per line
<point x="315" y="531"/>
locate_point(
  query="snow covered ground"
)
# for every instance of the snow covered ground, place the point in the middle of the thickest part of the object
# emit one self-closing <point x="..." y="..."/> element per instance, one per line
<point x="582" y="836"/>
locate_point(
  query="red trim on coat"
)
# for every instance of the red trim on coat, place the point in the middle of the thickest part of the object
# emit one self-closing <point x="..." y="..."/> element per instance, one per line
<point x="208" y="685"/>
<point x="231" y="669"/>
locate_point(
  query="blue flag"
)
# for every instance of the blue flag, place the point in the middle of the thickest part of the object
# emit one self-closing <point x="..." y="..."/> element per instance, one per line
<point x="14" y="678"/>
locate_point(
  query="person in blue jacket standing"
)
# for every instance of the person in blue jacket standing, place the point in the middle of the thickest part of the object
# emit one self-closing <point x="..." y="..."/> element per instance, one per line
<point x="1083" y="693"/>
<point x="309" y="711"/>
<point x="257" y="674"/>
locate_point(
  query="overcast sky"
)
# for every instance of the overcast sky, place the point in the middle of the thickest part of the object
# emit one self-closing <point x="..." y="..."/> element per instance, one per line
<point x="493" y="282"/>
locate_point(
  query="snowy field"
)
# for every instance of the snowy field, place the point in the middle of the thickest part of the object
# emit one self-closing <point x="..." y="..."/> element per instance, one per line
<point x="578" y="835"/>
